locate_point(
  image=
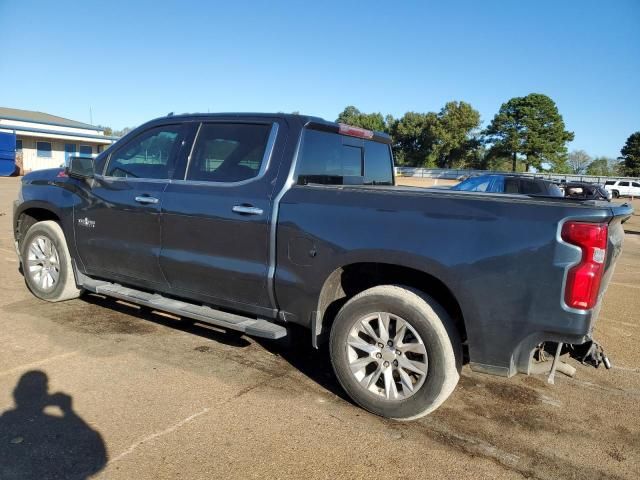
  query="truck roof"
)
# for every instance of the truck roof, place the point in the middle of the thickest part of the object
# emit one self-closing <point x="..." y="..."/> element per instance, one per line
<point x="303" y="119"/>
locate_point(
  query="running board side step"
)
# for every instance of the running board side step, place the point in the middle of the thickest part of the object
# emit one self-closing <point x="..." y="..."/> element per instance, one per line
<point x="255" y="327"/>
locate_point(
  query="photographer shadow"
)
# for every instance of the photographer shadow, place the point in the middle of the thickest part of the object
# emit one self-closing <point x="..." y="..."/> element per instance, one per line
<point x="39" y="444"/>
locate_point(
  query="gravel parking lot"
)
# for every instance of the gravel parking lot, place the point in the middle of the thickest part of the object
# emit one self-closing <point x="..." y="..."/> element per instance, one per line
<point x="97" y="387"/>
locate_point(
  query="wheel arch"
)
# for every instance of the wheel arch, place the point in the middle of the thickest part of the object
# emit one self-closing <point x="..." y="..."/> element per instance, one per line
<point x="348" y="280"/>
<point x="31" y="213"/>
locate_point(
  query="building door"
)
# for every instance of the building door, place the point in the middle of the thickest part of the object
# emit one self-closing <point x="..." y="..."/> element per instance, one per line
<point x="69" y="148"/>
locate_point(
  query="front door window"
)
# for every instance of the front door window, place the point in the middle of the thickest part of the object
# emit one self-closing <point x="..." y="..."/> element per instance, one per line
<point x="150" y="155"/>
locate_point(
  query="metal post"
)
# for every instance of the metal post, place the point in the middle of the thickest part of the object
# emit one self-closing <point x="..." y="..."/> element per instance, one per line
<point x="554" y="365"/>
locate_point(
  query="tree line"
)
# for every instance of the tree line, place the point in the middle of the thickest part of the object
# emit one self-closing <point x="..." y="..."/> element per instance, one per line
<point x="526" y="132"/>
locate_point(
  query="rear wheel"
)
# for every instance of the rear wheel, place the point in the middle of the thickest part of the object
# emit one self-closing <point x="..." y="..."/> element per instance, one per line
<point x="47" y="264"/>
<point x="615" y="193"/>
<point x="396" y="352"/>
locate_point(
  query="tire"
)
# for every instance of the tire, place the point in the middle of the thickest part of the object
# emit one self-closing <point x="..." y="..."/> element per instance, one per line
<point x="615" y="193"/>
<point x="57" y="283"/>
<point x="427" y="327"/>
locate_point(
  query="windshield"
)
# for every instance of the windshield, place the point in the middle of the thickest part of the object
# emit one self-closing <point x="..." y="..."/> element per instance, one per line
<point x="485" y="183"/>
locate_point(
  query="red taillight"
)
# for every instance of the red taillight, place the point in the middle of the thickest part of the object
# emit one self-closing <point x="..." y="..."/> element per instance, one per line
<point x="583" y="280"/>
<point x="355" y="131"/>
<point x="62" y="174"/>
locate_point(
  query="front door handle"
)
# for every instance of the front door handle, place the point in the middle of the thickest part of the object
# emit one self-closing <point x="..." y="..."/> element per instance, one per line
<point x="247" y="210"/>
<point x="146" y="199"/>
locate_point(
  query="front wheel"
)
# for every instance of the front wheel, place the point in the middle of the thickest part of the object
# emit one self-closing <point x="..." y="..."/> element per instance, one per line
<point x="46" y="263"/>
<point x="396" y="352"/>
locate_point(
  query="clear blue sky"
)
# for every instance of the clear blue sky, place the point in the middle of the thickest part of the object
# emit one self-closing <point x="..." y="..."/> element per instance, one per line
<point x="130" y="63"/>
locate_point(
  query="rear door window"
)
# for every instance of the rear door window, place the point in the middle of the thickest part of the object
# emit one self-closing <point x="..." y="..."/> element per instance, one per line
<point x="228" y="152"/>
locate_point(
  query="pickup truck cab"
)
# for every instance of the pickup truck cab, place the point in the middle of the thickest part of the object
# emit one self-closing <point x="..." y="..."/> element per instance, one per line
<point x="257" y="222"/>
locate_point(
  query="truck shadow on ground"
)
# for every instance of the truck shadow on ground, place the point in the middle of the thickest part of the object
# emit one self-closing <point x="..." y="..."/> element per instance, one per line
<point x="106" y="304"/>
<point x="37" y="444"/>
<point x="295" y="350"/>
<point x="315" y="364"/>
<point x="96" y="315"/>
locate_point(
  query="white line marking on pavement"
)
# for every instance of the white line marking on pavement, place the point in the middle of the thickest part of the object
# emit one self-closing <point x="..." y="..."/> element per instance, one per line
<point x="158" y="434"/>
<point x="628" y="324"/>
<point x="37" y="364"/>
<point x="624" y="284"/>
<point x="627" y="369"/>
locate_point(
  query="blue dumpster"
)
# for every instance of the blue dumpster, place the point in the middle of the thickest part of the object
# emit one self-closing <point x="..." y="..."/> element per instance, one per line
<point x="7" y="154"/>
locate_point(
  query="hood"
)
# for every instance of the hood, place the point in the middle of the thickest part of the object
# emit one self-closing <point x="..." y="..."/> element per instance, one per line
<point x="47" y="174"/>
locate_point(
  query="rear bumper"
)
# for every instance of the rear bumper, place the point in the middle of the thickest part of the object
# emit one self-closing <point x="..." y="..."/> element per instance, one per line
<point x="514" y="354"/>
<point x="521" y="359"/>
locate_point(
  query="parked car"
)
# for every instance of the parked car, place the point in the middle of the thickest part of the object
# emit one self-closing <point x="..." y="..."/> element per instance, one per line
<point x="261" y="222"/>
<point x="623" y="188"/>
<point x="585" y="191"/>
<point x="509" y="184"/>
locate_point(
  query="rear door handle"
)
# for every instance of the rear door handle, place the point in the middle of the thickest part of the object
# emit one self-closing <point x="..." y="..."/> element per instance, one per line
<point x="247" y="210"/>
<point x="146" y="199"/>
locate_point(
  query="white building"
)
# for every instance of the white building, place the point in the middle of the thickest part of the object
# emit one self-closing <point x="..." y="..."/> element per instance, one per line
<point x="47" y="141"/>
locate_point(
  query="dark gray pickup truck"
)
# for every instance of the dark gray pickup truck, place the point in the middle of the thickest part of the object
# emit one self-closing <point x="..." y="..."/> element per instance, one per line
<point x="257" y="222"/>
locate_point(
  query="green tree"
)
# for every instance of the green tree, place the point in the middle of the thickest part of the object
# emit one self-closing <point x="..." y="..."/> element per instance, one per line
<point x="445" y="139"/>
<point x="371" y="121"/>
<point x="578" y="161"/>
<point x="530" y="128"/>
<point x="123" y="132"/>
<point x="107" y="130"/>
<point x="602" y="167"/>
<point x="413" y="138"/>
<point x="455" y="144"/>
<point x="631" y="156"/>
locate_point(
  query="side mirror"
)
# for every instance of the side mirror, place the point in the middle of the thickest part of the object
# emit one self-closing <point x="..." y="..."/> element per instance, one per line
<point x="81" y="167"/>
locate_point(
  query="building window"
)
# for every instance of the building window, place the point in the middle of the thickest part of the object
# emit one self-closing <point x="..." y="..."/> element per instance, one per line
<point x="86" y="150"/>
<point x="18" y="145"/>
<point x="44" y="149"/>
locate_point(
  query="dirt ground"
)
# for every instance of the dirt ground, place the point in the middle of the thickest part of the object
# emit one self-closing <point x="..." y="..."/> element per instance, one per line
<point x="105" y="389"/>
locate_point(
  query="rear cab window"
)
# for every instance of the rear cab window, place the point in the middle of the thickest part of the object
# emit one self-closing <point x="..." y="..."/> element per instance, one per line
<point x="329" y="158"/>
